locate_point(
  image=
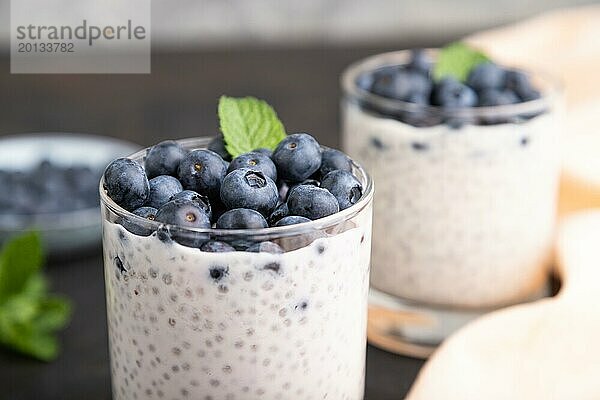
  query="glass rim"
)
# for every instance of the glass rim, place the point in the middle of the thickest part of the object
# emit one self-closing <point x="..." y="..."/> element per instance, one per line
<point x="275" y="231"/>
<point x="553" y="89"/>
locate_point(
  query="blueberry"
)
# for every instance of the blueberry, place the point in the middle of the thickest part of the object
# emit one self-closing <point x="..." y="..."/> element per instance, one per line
<point x="280" y="212"/>
<point x="146" y="212"/>
<point x="241" y="244"/>
<point x="217" y="144"/>
<point x="81" y="178"/>
<point x="451" y="93"/>
<point x="378" y="144"/>
<point x="291" y="220"/>
<point x="519" y="82"/>
<point x="247" y="188"/>
<point x="420" y="98"/>
<point x="457" y="122"/>
<point x="241" y="218"/>
<point x="419" y="83"/>
<point x="529" y="94"/>
<point x="321" y="248"/>
<point x="312" y="202"/>
<point x="214" y="246"/>
<point x="365" y="81"/>
<point x="189" y="195"/>
<point x="265" y="247"/>
<point x="195" y="197"/>
<point x="391" y="82"/>
<point x="164" y="158"/>
<point x="187" y="214"/>
<point x="255" y="161"/>
<point x="332" y="160"/>
<point x="218" y="273"/>
<point x="344" y="186"/>
<point x="162" y="189"/>
<point x="119" y="265"/>
<point x="43" y="189"/>
<point x="400" y="83"/>
<point x="126" y="183"/>
<point x="163" y="233"/>
<point x="486" y="75"/>
<point x="272" y="266"/>
<point x="419" y="146"/>
<point x="264" y="151"/>
<point x="202" y="171"/>
<point x="136" y="228"/>
<point x="297" y="157"/>
<point x="495" y="97"/>
<point x="183" y="213"/>
<point x="419" y="117"/>
<point x="420" y="61"/>
<point x="312" y="182"/>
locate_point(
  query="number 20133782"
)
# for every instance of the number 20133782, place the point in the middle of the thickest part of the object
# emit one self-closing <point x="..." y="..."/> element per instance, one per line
<point x="46" y="47"/>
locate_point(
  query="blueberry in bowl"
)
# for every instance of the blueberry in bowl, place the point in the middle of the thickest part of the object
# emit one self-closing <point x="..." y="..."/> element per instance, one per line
<point x="50" y="185"/>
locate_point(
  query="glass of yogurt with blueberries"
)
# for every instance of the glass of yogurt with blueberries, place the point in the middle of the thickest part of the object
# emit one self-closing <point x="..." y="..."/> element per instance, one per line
<point x="237" y="278"/>
<point x="464" y="155"/>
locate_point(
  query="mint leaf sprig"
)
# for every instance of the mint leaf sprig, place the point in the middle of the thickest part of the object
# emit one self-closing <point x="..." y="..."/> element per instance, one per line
<point x="457" y="60"/>
<point x="29" y="316"/>
<point x="248" y="123"/>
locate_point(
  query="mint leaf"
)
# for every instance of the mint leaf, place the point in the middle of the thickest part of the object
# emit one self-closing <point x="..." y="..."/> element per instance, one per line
<point x="20" y="309"/>
<point x="54" y="313"/>
<point x="248" y="123"/>
<point x="27" y="325"/>
<point x="26" y="339"/>
<point x="457" y="60"/>
<point x="41" y="345"/>
<point x="20" y="259"/>
<point x="36" y="286"/>
<point x="29" y="316"/>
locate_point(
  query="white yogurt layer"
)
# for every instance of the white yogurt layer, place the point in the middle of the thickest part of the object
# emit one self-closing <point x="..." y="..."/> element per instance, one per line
<point x="186" y="324"/>
<point x="462" y="217"/>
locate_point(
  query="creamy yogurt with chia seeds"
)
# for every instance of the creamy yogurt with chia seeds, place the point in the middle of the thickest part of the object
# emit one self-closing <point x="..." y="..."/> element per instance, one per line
<point x="187" y="324"/>
<point x="462" y="217"/>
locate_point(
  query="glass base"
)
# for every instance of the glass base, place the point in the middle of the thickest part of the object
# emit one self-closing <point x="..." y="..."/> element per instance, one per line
<point x="409" y="328"/>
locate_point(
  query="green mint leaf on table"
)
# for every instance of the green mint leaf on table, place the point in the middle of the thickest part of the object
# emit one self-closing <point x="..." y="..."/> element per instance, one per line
<point x="55" y="312"/>
<point x="20" y="259"/>
<point x="247" y="124"/>
<point x="457" y="60"/>
<point x="29" y="316"/>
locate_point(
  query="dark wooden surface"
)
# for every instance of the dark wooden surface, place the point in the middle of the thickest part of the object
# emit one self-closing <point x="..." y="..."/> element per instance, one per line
<point x="177" y="100"/>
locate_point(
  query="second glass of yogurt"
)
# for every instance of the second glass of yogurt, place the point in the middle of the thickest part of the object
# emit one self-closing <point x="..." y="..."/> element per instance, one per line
<point x="466" y="199"/>
<point x="185" y="323"/>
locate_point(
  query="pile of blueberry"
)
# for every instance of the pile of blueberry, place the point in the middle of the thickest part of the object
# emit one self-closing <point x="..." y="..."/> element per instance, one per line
<point x="487" y="84"/>
<point x="298" y="182"/>
<point x="47" y="189"/>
